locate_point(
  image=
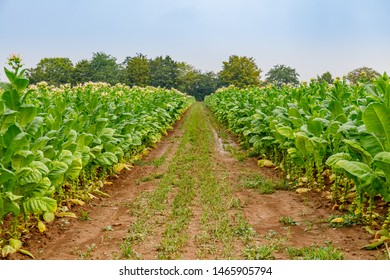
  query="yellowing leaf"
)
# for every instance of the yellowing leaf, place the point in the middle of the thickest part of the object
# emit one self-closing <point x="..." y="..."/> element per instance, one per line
<point x="48" y="217"/>
<point x="339" y="220"/>
<point x="303" y="179"/>
<point x="7" y="250"/>
<point x="302" y="190"/>
<point x="15" y="243"/>
<point x="76" y="201"/>
<point x="26" y="253"/>
<point x="41" y="227"/>
<point x="108" y="183"/>
<point x="369" y="230"/>
<point x="265" y="163"/>
<point x="66" y="214"/>
<point x="373" y="245"/>
<point x="99" y="192"/>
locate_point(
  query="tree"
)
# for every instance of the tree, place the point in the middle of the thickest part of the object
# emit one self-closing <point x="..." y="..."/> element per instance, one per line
<point x="82" y="72"/>
<point x="187" y="75"/>
<point x="281" y="74"/>
<point x="164" y="72"/>
<point x="104" y="68"/>
<point x="54" y="71"/>
<point x="136" y="71"/>
<point x="326" y="77"/>
<point x="196" y="83"/>
<point x="362" y="74"/>
<point x="204" y="84"/>
<point x="240" y="71"/>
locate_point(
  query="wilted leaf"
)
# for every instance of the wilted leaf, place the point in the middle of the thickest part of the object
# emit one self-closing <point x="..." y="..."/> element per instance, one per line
<point x="25" y="252"/>
<point x="41" y="227"/>
<point x="302" y="190"/>
<point x="265" y="163"/>
<point x="339" y="220"/>
<point x="66" y="214"/>
<point x="7" y="250"/>
<point x="48" y="217"/>
<point x="76" y="201"/>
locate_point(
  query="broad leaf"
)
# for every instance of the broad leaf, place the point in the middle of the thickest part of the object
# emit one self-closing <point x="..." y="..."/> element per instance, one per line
<point x="26" y="114"/>
<point x="37" y="205"/>
<point x="11" y="99"/>
<point x="376" y="117"/>
<point x="107" y="159"/>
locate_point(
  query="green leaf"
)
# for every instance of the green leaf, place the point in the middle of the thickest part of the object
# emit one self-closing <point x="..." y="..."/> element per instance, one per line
<point x="34" y="125"/>
<point x="10" y="75"/>
<point x="359" y="150"/>
<point x="15" y="243"/>
<point x="22" y="159"/>
<point x="74" y="169"/>
<point x="107" y="159"/>
<point x="6" y="175"/>
<point x="27" y="175"/>
<point x="7" y="119"/>
<point x="66" y="156"/>
<point x="40" y="166"/>
<point x="56" y="174"/>
<point x="20" y="142"/>
<point x="382" y="160"/>
<point x="360" y="171"/>
<point x="37" y="205"/>
<point x="333" y="159"/>
<point x="21" y="83"/>
<point x="300" y="142"/>
<point x="315" y="126"/>
<point x="376" y="118"/>
<point x="371" y="143"/>
<point x="12" y="99"/>
<point x="11" y="133"/>
<point x="26" y="114"/>
<point x="286" y="131"/>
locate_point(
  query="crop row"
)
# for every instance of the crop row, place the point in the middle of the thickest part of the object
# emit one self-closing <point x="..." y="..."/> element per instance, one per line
<point x="333" y="138"/>
<point x="58" y="144"/>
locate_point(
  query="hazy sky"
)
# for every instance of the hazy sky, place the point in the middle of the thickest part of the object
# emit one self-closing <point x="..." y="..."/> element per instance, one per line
<point x="312" y="36"/>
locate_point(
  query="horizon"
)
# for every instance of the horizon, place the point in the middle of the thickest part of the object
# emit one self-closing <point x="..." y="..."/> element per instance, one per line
<point x="312" y="37"/>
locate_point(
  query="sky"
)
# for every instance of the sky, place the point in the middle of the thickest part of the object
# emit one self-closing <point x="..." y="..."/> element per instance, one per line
<point x="312" y="36"/>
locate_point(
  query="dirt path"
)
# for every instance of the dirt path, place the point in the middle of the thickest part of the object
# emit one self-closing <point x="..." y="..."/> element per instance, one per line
<point x="196" y="196"/>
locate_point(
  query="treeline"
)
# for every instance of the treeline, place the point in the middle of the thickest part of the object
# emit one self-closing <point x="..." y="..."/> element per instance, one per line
<point x="138" y="70"/>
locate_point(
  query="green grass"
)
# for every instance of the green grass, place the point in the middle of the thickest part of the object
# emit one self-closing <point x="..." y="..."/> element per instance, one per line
<point x="263" y="252"/>
<point x="288" y="221"/>
<point x="191" y="181"/>
<point x="314" y="252"/>
<point x="259" y="183"/>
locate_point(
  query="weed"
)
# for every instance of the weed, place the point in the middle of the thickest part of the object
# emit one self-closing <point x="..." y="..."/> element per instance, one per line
<point x="159" y="161"/>
<point x="108" y="228"/>
<point x="84" y="216"/>
<point x="264" y="186"/>
<point x="235" y="203"/>
<point x="88" y="253"/>
<point x="262" y="252"/>
<point x="347" y="220"/>
<point x="288" y="221"/>
<point x="314" y="252"/>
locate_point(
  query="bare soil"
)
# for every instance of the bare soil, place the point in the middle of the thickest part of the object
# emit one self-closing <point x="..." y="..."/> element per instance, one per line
<point x="110" y="218"/>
